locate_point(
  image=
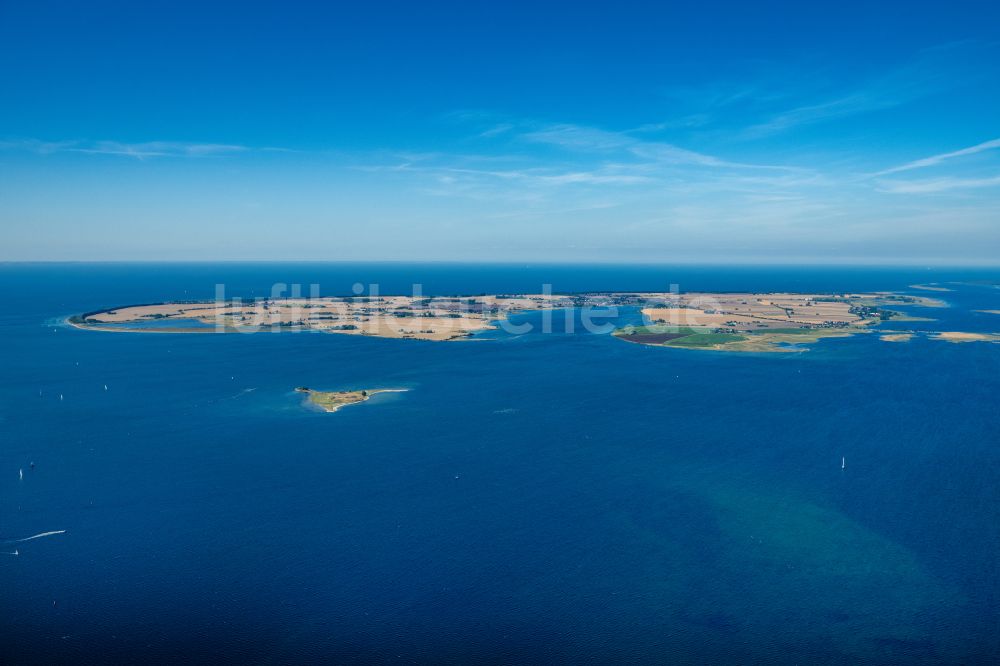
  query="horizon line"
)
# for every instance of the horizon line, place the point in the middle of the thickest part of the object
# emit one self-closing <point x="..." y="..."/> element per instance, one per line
<point x="803" y="263"/>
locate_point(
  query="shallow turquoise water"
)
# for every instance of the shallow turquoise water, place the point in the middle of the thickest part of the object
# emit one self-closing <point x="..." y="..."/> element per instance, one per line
<point x="539" y="497"/>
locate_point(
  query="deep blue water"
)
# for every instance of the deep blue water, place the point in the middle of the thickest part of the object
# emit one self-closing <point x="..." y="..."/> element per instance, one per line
<point x="565" y="497"/>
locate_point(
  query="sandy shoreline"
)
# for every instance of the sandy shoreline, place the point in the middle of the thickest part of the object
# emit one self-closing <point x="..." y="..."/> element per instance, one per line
<point x="929" y="287"/>
<point x="113" y="329"/>
<point x="960" y="337"/>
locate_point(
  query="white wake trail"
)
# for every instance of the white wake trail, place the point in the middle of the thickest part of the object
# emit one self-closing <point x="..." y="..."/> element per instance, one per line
<point x="37" y="536"/>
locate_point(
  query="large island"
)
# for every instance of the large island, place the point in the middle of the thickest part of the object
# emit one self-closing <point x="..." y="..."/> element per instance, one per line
<point x="715" y="321"/>
<point x="439" y="318"/>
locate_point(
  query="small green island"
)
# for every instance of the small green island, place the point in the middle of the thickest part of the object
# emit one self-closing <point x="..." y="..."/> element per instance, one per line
<point x="331" y="401"/>
<point x="765" y="340"/>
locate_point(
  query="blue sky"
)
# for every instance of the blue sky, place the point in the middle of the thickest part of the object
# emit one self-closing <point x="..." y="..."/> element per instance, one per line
<point x="695" y="132"/>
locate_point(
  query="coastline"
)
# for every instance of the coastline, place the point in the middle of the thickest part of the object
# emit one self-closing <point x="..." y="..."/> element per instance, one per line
<point x="111" y="329"/>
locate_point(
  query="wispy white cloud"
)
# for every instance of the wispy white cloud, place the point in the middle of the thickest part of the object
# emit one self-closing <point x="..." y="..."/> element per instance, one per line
<point x="159" y="149"/>
<point x="578" y="137"/>
<point x="594" y="178"/>
<point x="496" y="130"/>
<point x="143" y="150"/>
<point x="36" y="145"/>
<point x="938" y="159"/>
<point x="932" y="71"/>
<point x="852" y="104"/>
<point x="590" y="162"/>
<point x="591" y="139"/>
<point x="930" y="186"/>
<point x="536" y="176"/>
<point x="690" y="121"/>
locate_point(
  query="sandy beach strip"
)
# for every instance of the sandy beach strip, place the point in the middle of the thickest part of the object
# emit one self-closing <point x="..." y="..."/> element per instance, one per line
<point x="959" y="337"/>
<point x="929" y="287"/>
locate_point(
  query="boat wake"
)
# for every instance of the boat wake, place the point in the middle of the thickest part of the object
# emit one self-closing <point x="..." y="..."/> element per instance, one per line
<point x="37" y="536"/>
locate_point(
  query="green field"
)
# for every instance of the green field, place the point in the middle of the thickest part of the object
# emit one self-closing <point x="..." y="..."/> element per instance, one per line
<point x="784" y="331"/>
<point x="677" y="336"/>
<point x="658" y="329"/>
<point x="705" y="340"/>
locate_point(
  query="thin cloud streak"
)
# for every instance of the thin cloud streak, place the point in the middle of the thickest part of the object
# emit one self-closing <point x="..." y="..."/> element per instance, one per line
<point x="539" y="176"/>
<point x="936" y="185"/>
<point x="938" y="159"/>
<point x="837" y="108"/>
<point x="930" y="72"/>
<point x="140" y="151"/>
<point x="590" y="139"/>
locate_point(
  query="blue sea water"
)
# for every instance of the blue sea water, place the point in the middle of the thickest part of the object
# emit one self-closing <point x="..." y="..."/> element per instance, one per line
<point x="565" y="497"/>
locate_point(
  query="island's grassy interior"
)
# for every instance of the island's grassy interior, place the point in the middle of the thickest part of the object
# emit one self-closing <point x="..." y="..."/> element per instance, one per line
<point x="331" y="401"/>
<point x="767" y="340"/>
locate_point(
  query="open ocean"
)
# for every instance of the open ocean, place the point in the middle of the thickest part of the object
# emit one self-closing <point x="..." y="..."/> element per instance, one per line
<point x="561" y="497"/>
